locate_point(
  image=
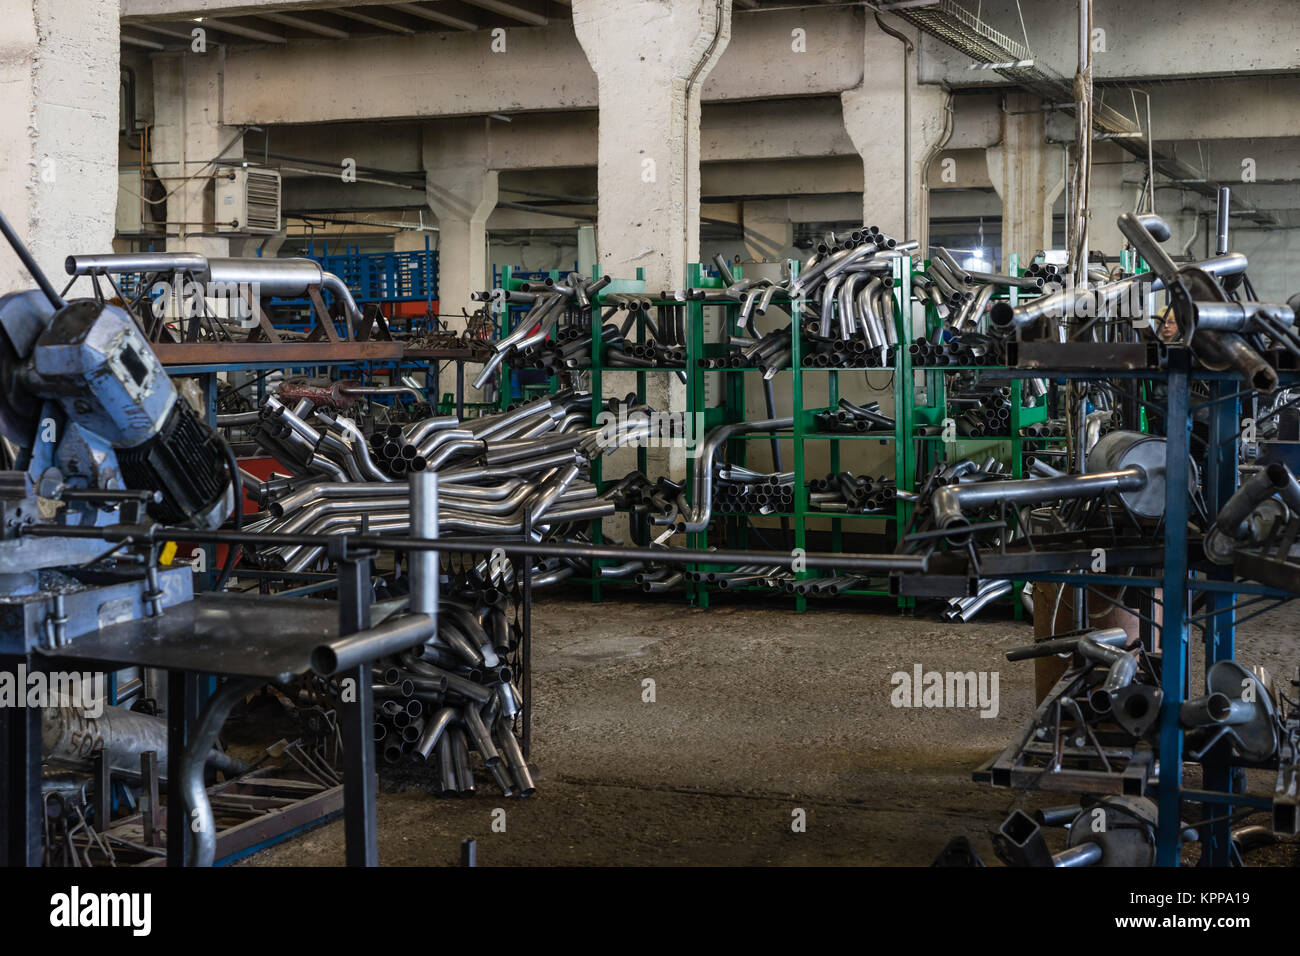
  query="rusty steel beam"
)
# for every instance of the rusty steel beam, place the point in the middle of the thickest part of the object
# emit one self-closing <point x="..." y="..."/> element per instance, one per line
<point x="288" y="353"/>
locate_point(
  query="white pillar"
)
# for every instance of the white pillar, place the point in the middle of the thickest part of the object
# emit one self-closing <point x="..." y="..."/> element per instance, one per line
<point x="895" y="124"/>
<point x="462" y="198"/>
<point x="651" y="60"/>
<point x="187" y="137"/>
<point x="59" y="109"/>
<point x="1028" y="173"/>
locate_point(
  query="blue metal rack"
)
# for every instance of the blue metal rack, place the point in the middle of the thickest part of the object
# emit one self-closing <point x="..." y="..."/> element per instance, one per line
<point x="1222" y="783"/>
<point x="384" y="276"/>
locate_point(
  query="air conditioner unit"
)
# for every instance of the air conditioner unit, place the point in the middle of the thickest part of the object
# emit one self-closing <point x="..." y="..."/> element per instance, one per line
<point x="247" y="200"/>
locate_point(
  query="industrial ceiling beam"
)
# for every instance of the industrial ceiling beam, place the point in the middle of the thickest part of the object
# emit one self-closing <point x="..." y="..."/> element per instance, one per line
<point x="163" y="29"/>
<point x="512" y="10"/>
<point x="130" y="40"/>
<point x="309" y="26"/>
<point x="374" y="21"/>
<point x="132" y="10"/>
<point x="437" y="16"/>
<point x="239" y="30"/>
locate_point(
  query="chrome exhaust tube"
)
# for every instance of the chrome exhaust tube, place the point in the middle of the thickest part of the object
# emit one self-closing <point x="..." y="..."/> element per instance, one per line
<point x="514" y="755"/>
<point x="948" y="502"/>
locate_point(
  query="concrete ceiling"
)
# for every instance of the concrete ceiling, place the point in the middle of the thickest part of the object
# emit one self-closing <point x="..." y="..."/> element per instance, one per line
<point x="168" y="24"/>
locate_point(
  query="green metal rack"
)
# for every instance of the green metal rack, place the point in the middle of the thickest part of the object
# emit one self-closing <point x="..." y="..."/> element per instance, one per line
<point x="736" y="528"/>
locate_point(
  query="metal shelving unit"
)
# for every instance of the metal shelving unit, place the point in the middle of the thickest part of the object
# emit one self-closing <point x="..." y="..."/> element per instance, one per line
<point x="738" y="526"/>
<point x="1221" y="791"/>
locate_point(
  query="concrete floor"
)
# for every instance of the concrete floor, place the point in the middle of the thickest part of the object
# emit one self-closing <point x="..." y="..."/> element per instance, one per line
<point x="759" y="712"/>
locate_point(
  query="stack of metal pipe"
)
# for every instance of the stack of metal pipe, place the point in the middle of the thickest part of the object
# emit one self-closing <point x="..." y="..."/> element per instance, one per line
<point x="848" y="417"/>
<point x="438" y="442"/>
<point x="549" y="303"/>
<point x="666" y="324"/>
<point x="745" y="576"/>
<point x="980" y="410"/>
<point x="1047" y="429"/>
<point x="849" y="282"/>
<point x="841" y="300"/>
<point x="555" y="334"/>
<point x="496" y="473"/>
<point x="852" y="494"/>
<point x="738" y="490"/>
<point x="961" y="295"/>
<point x="948" y="348"/>
<point x="455" y="694"/>
<point x="965" y="608"/>
<point x="644" y="499"/>
<point x="1049" y="273"/>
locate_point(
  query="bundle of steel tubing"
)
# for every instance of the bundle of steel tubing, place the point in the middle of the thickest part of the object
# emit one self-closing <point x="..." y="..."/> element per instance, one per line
<point x="845" y="287"/>
<point x="1048" y="272"/>
<point x="456" y="693"/>
<point x="745" y="576"/>
<point x="848" y="417"/>
<point x="550" y="303"/>
<point x="849" y="282"/>
<point x="644" y="499"/>
<point x="956" y="349"/>
<point x="555" y="334"/>
<point x="738" y="490"/>
<point x="980" y="410"/>
<point x="961" y="298"/>
<point x="496" y="473"/>
<point x="960" y="295"/>
<point x="852" y="494"/>
<point x="965" y="608"/>
<point x="1046" y="429"/>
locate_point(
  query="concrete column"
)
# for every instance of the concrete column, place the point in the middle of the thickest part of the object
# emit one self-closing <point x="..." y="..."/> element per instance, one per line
<point x="462" y="198"/>
<point x="651" y="59"/>
<point x="188" y="140"/>
<point x="58" y="156"/>
<point x="895" y="124"/>
<point x="1028" y="173"/>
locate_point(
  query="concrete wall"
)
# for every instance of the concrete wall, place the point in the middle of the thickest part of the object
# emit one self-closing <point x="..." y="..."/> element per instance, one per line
<point x="59" y="110"/>
<point x="1274" y="256"/>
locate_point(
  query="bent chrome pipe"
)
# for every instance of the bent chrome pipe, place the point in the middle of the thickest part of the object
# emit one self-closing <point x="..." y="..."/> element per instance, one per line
<point x="948" y="502"/>
<point x="1098" y="300"/>
<point x="984" y="598"/>
<point x="702" y="490"/>
<point x="514" y="755"/>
